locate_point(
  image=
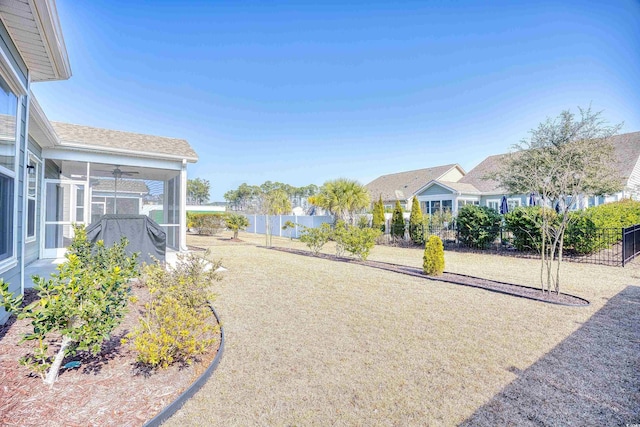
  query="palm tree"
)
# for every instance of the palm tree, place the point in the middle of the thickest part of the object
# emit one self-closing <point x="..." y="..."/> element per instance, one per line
<point x="235" y="223"/>
<point x="343" y="198"/>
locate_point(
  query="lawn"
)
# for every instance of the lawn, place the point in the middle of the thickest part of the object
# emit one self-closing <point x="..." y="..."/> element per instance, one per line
<point x="316" y="342"/>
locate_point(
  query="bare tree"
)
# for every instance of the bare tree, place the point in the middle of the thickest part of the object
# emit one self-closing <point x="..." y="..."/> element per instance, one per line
<point x="563" y="160"/>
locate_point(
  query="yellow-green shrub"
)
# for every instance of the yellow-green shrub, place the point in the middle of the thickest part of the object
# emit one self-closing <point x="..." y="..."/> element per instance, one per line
<point x="177" y="323"/>
<point x="433" y="259"/>
<point x="171" y="331"/>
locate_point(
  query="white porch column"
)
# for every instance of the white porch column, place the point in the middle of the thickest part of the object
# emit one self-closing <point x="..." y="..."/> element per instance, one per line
<point x="183" y="206"/>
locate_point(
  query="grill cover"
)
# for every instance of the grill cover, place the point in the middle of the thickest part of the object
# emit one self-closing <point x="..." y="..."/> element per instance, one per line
<point x="145" y="235"/>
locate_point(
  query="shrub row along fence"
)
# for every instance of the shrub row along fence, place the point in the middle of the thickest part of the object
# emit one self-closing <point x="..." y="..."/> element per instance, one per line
<point x="604" y="246"/>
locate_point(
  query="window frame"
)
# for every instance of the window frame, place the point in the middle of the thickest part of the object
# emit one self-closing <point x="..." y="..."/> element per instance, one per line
<point x="11" y="260"/>
<point x="37" y="163"/>
<point x="496" y="201"/>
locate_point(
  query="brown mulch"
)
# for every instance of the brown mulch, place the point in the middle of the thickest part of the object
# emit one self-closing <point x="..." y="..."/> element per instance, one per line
<point x="459" y="279"/>
<point x="109" y="389"/>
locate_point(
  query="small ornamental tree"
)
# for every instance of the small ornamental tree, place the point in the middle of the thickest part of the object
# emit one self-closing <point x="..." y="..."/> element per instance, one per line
<point x="416" y="228"/>
<point x="397" y="221"/>
<point x="275" y="202"/>
<point x="236" y="222"/>
<point x="562" y="160"/>
<point x="81" y="304"/>
<point x="378" y="221"/>
<point x="433" y="259"/>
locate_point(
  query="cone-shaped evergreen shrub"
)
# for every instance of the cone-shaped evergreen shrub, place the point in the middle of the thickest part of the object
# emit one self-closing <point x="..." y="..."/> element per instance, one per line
<point x="397" y="221"/>
<point x="416" y="229"/>
<point x="433" y="259"/>
<point x="378" y="215"/>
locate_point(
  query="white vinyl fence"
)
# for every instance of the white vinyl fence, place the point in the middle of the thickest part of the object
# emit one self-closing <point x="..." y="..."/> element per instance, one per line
<point x="257" y="224"/>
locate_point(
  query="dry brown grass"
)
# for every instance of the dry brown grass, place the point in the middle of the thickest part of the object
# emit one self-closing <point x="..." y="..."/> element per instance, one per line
<point x="315" y="342"/>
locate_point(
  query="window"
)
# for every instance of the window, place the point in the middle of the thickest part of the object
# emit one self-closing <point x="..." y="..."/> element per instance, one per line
<point x="464" y="202"/>
<point x="6" y="217"/>
<point x="513" y="203"/>
<point x="33" y="175"/>
<point x="8" y="115"/>
<point x="494" y="204"/>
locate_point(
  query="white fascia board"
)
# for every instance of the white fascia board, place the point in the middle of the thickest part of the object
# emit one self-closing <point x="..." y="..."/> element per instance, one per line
<point x="60" y="153"/>
<point x="146" y="154"/>
<point x="40" y="120"/>
<point x="436" y="182"/>
<point x="48" y="22"/>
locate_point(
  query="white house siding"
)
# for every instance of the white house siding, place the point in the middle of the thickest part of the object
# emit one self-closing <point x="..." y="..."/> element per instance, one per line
<point x="633" y="184"/>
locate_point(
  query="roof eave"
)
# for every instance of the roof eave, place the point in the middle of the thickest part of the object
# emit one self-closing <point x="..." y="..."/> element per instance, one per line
<point x="84" y="147"/>
<point x="47" y="20"/>
<point x="40" y="121"/>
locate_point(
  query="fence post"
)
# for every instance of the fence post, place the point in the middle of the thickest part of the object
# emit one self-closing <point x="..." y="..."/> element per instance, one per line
<point x="624" y="245"/>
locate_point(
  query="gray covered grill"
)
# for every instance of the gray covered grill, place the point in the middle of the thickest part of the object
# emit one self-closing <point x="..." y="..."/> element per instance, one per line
<point x="145" y="235"/>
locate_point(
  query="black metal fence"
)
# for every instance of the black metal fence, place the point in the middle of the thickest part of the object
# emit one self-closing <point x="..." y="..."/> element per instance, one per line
<point x="630" y="243"/>
<point x="604" y="246"/>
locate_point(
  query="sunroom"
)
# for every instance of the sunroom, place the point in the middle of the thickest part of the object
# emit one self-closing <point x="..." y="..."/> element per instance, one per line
<point x="89" y="172"/>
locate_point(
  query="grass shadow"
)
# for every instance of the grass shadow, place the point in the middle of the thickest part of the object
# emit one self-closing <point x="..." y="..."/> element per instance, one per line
<point x="590" y="378"/>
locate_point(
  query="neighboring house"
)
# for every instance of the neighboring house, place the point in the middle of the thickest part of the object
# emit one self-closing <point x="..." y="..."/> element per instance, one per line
<point x="475" y="189"/>
<point x="53" y="175"/>
<point x="403" y="186"/>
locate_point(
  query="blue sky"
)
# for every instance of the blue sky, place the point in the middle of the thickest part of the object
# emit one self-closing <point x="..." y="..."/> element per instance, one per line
<point x="304" y="92"/>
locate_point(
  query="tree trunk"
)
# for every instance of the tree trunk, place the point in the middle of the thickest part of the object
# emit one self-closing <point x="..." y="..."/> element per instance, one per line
<point x="52" y="374"/>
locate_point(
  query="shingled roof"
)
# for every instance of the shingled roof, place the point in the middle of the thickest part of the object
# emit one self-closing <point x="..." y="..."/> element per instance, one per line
<point x="403" y="185"/>
<point x="124" y="186"/>
<point x="476" y="177"/>
<point x="114" y="140"/>
<point x="626" y="154"/>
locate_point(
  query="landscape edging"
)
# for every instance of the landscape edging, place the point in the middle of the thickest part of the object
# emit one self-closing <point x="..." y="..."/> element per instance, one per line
<point x="173" y="407"/>
<point x="440" y="279"/>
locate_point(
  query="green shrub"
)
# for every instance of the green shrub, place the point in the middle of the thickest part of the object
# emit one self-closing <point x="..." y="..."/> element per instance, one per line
<point x="433" y="259"/>
<point x="316" y="238"/>
<point x="397" y="221"/>
<point x="81" y="303"/>
<point x="357" y="241"/>
<point x="177" y="324"/>
<point x="416" y="225"/>
<point x="378" y="220"/>
<point x="525" y="222"/>
<point x="478" y="226"/>
<point x="624" y="213"/>
<point x="208" y="223"/>
<point x="599" y="227"/>
<point x="339" y="236"/>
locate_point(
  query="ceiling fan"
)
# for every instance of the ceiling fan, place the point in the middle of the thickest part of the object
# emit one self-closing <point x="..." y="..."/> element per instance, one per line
<point x="117" y="174"/>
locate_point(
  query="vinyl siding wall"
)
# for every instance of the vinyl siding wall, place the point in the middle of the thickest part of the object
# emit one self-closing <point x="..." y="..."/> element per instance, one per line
<point x="12" y="275"/>
<point x="436" y="190"/>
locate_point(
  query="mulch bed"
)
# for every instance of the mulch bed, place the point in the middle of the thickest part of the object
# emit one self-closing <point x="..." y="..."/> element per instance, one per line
<point x="109" y="389"/>
<point x="458" y="279"/>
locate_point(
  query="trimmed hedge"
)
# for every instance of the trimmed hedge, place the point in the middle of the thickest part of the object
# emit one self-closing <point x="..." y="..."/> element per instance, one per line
<point x="207" y="223"/>
<point x="478" y="225"/>
<point x="525" y="223"/>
